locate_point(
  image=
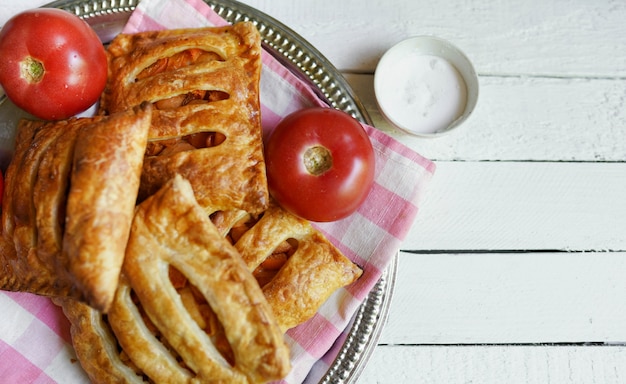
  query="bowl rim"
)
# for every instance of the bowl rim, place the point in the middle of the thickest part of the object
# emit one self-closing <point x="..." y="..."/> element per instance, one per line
<point x="445" y="50"/>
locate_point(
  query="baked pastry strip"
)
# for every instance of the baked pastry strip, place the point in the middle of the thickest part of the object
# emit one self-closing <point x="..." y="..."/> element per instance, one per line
<point x="50" y="195"/>
<point x="142" y="346"/>
<point x="11" y="277"/>
<point x="178" y="233"/>
<point x="237" y="48"/>
<point x="308" y="277"/>
<point x="100" y="205"/>
<point x="229" y="175"/>
<point x="22" y="190"/>
<point x="23" y="139"/>
<point x="31" y="272"/>
<point x="96" y="346"/>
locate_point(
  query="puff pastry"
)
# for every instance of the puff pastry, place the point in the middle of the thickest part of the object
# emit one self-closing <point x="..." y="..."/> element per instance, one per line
<point x="61" y="171"/>
<point x="106" y="170"/>
<point x="152" y="226"/>
<point x="206" y="126"/>
<point x="151" y="314"/>
<point x="297" y="267"/>
<point x="24" y="271"/>
<point x="158" y="335"/>
<point x="95" y="345"/>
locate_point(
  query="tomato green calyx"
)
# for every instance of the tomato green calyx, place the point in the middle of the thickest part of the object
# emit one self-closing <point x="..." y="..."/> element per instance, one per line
<point x="318" y="160"/>
<point x="32" y="70"/>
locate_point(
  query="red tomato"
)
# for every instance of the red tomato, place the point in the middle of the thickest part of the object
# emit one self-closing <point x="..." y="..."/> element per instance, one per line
<point x="320" y="164"/>
<point x="53" y="64"/>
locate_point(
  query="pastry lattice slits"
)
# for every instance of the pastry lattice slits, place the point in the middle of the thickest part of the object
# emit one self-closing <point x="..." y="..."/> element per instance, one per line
<point x="171" y="146"/>
<point x="69" y="199"/>
<point x="96" y="346"/>
<point x="188" y="57"/>
<point x="202" y="81"/>
<point x="176" y="262"/>
<point x="296" y="265"/>
<point x="202" y="313"/>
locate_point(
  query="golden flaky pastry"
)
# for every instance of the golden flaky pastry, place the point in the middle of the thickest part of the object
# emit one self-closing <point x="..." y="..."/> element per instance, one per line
<point x="206" y="126"/>
<point x="95" y="345"/>
<point x="161" y="334"/>
<point x="65" y="219"/>
<point x="151" y="223"/>
<point x="297" y="267"/>
<point x="105" y="178"/>
<point x="24" y="269"/>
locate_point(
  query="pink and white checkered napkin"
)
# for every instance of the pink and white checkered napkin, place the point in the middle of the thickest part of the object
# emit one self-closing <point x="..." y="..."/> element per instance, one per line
<point x="34" y="336"/>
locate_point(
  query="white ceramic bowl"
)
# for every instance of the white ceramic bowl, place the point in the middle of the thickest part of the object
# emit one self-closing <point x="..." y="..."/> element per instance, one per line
<point x="425" y="86"/>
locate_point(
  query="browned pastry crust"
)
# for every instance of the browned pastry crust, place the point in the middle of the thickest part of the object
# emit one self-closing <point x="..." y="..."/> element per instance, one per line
<point x="108" y="159"/>
<point x="29" y="184"/>
<point x="50" y="193"/>
<point x="70" y="200"/>
<point x="23" y="139"/>
<point x="23" y="207"/>
<point x="46" y="183"/>
<point x="9" y="280"/>
<point x="223" y="66"/>
<point x="313" y="270"/>
<point x="178" y="233"/>
<point x="16" y="275"/>
<point x="308" y="278"/>
<point x="95" y="345"/>
<point x="159" y="335"/>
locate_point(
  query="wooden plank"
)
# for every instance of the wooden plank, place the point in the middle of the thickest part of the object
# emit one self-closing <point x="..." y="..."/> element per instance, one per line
<point x="496" y="365"/>
<point x="508" y="298"/>
<point x="563" y="38"/>
<point x="521" y="118"/>
<point x="522" y="206"/>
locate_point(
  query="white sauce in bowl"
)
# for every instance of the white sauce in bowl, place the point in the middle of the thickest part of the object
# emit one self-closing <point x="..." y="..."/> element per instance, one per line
<point x="422" y="93"/>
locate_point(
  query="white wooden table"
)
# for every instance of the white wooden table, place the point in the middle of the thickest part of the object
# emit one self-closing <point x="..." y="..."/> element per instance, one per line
<point x="515" y="270"/>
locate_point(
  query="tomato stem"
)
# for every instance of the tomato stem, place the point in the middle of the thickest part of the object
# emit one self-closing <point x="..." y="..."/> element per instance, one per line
<point x="32" y="70"/>
<point x="318" y="160"/>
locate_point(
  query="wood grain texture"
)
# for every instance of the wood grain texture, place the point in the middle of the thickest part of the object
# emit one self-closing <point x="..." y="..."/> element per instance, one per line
<point x="522" y="206"/>
<point x="508" y="298"/>
<point x="525" y="119"/>
<point x="496" y="365"/>
<point x="553" y="38"/>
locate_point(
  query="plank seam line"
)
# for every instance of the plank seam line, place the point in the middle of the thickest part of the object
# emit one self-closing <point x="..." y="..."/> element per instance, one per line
<point x="487" y="251"/>
<point x="539" y="161"/>
<point x="352" y="71"/>
<point x="469" y="345"/>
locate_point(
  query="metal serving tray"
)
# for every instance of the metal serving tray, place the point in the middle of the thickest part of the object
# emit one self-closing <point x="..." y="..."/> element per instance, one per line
<point x="108" y="17"/>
